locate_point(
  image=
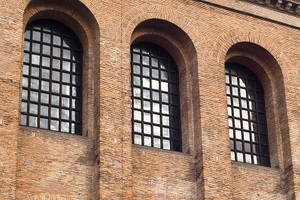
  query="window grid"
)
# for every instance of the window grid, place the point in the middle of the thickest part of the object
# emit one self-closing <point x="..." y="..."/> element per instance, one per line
<point x="51" y="89"/>
<point x="155" y="98"/>
<point x="246" y="116"/>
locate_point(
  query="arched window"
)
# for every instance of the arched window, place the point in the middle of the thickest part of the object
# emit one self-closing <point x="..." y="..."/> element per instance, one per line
<point x="246" y="116"/>
<point x="155" y="98"/>
<point x="51" y="90"/>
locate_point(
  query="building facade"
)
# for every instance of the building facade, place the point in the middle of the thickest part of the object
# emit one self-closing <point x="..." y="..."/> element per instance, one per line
<point x="181" y="99"/>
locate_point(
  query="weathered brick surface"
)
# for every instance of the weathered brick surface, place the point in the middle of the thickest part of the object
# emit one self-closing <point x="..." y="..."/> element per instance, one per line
<point x="103" y="163"/>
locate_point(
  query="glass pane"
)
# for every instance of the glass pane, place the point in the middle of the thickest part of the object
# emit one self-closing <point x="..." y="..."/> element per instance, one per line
<point x="156" y="107"/>
<point x="145" y="60"/>
<point x="155" y="84"/>
<point x="25" y="70"/>
<point x="24" y="107"/>
<point x="248" y="158"/>
<point x="147" y="117"/>
<point x="137" y="139"/>
<point x="35" y="84"/>
<point x="27" y="34"/>
<point x="137" y="103"/>
<point x="36" y="35"/>
<point x="165" y="109"/>
<point x="236" y="112"/>
<point x="136" y="69"/>
<point x="55" y="100"/>
<point x="65" y="114"/>
<point x="56" y="64"/>
<point x="36" y="47"/>
<point x="165" y="98"/>
<point x="34" y="96"/>
<point x="66" y="90"/>
<point x="166" y="144"/>
<point x="44" y="98"/>
<point x="136" y="58"/>
<point x="164" y="86"/>
<point x="234" y="80"/>
<point x="54" y="112"/>
<point x="35" y="59"/>
<point x="147" y="105"/>
<point x="146" y="94"/>
<point x="232" y="154"/>
<point x="25" y="82"/>
<point x="45" y="61"/>
<point x="26" y="57"/>
<point x="137" y="92"/>
<point x="137" y="127"/>
<point x="238" y="134"/>
<point x="156" y="130"/>
<point x="155" y="96"/>
<point x="156" y="142"/>
<point x="54" y="125"/>
<point x="166" y="121"/>
<point x="146" y="83"/>
<point x="146" y="71"/>
<point x="67" y="66"/>
<point x="44" y="123"/>
<point x="66" y="78"/>
<point x="155" y="73"/>
<point x="156" y="119"/>
<point x="166" y="132"/>
<point x="240" y="157"/>
<point x="46" y="38"/>
<point x="66" y="54"/>
<point x="65" y="126"/>
<point x="26" y="46"/>
<point x="154" y="62"/>
<point x="33" y="121"/>
<point x="147" y="141"/>
<point x="44" y="110"/>
<point x="147" y="129"/>
<point x="137" y="80"/>
<point x="137" y="115"/>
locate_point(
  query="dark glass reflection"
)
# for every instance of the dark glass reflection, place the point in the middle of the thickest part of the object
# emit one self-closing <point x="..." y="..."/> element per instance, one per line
<point x="246" y="116"/>
<point x="51" y="77"/>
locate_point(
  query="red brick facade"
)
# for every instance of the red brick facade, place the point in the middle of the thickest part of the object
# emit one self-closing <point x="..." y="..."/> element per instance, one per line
<point x="103" y="163"/>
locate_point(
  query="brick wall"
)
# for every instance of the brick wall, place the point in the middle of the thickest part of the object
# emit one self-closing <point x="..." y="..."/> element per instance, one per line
<point x="102" y="163"/>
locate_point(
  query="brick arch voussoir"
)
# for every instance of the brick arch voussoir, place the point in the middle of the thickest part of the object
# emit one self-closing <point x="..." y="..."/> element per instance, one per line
<point x="131" y="19"/>
<point x="88" y="23"/>
<point x="227" y="40"/>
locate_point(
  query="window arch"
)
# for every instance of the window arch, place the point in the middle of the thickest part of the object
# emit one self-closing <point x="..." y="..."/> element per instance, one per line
<point x="52" y="69"/>
<point x="155" y="98"/>
<point x="246" y="116"/>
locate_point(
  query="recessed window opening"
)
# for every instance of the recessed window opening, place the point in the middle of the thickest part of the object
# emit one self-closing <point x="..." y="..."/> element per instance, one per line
<point x="155" y="98"/>
<point x="52" y="70"/>
<point x="246" y="116"/>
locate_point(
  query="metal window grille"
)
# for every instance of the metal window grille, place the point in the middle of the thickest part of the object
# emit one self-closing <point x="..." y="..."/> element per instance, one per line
<point x="246" y="116"/>
<point x="155" y="98"/>
<point x="52" y="68"/>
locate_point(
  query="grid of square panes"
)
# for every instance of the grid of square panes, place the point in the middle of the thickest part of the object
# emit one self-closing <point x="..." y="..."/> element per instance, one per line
<point x="246" y="116"/>
<point x="155" y="98"/>
<point x="51" y="90"/>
